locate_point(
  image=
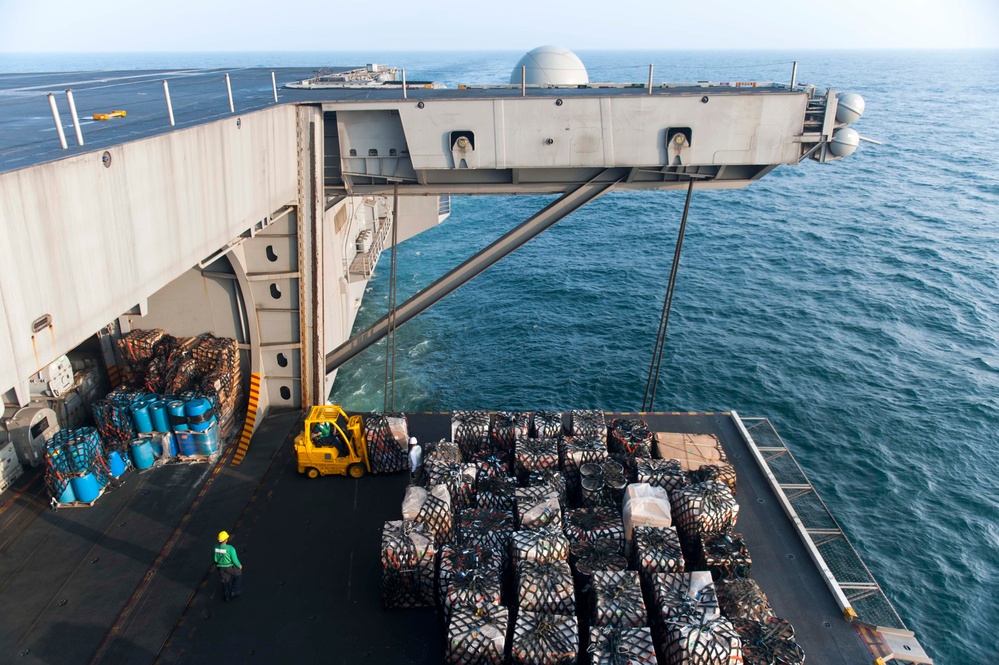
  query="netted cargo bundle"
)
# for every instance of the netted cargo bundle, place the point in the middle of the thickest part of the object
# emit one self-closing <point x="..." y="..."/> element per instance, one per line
<point x="496" y="492"/>
<point x="644" y="505"/>
<point x="768" y="642"/>
<point x="665" y="473"/>
<point x="588" y="425"/>
<point x="137" y="347"/>
<point x="509" y="427"/>
<point x="492" y="466"/>
<point x="491" y="529"/>
<point x="725" y="555"/>
<point x="459" y="479"/>
<point x="688" y="640"/>
<point x="539" y="545"/>
<point x="723" y="472"/>
<point x="602" y="483"/>
<point x="630" y="436"/>
<point x="215" y="353"/>
<point x="477" y="635"/>
<point x="743" y="599"/>
<point x="549" y="478"/>
<point x="546" y="587"/>
<point x="535" y="455"/>
<point x="546" y="425"/>
<point x="596" y="523"/>
<point x="688" y="594"/>
<point x="432" y="506"/>
<point x="441" y="452"/>
<point x="469" y="577"/>
<point x="587" y="557"/>
<point x="470" y="430"/>
<point x="707" y="507"/>
<point x="656" y="550"/>
<point x="113" y="417"/>
<point x="545" y="513"/>
<point x="629" y="465"/>
<point x="616" y="599"/>
<point x="574" y="453"/>
<point x="621" y="646"/>
<point x="544" y="639"/>
<point x="388" y="442"/>
<point x="408" y="554"/>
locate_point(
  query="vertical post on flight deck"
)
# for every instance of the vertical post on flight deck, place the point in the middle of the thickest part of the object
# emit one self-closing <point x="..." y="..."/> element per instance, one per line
<point x="58" y="121"/>
<point x="76" y="118"/>
<point x="166" y="91"/>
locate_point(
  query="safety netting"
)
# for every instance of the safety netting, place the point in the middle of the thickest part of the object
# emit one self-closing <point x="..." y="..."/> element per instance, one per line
<point x="408" y="554"/>
<point x="545" y="586"/>
<point x="544" y="639"/>
<point x="476" y="635"/>
<point x="656" y="550"/>
<point x="616" y="599"/>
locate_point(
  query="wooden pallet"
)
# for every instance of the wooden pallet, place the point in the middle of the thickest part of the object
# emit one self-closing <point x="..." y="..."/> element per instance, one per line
<point x="77" y="504"/>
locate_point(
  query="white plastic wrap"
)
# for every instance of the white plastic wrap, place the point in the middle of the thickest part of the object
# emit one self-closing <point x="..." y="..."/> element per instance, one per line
<point x="645" y="505"/>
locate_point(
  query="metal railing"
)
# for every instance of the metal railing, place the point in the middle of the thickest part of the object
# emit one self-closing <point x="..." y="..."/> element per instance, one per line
<point x="363" y="263"/>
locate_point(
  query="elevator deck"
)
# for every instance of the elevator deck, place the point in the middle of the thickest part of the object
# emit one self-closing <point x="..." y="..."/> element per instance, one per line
<point x="129" y="580"/>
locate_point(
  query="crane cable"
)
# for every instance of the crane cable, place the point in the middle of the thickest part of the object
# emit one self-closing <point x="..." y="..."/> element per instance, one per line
<point x="388" y="401"/>
<point x="657" y="352"/>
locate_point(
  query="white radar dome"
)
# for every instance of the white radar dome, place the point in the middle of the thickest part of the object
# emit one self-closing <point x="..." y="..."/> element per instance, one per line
<point x="551" y="65"/>
<point x="844" y="141"/>
<point x="849" y="108"/>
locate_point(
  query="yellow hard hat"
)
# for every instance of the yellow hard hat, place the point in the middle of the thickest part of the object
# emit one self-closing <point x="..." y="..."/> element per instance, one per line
<point x="223" y="536"/>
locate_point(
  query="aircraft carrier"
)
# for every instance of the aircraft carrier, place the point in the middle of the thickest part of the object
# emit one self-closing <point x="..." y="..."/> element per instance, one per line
<point x="223" y="202"/>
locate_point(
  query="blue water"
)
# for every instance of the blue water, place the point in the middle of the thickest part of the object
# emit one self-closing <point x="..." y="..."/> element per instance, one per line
<point x="855" y="304"/>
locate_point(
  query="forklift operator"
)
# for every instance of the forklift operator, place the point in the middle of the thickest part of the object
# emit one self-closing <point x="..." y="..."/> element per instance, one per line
<point x="323" y="434"/>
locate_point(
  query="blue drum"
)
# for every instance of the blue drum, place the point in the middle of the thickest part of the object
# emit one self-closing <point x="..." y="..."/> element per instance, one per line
<point x="116" y="463"/>
<point x="200" y="414"/>
<point x="142" y="454"/>
<point x="85" y="487"/>
<point x="178" y="416"/>
<point x="140" y="415"/>
<point x="160" y="415"/>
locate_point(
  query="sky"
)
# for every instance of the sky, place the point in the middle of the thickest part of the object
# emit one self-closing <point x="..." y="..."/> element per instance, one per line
<point x="77" y="26"/>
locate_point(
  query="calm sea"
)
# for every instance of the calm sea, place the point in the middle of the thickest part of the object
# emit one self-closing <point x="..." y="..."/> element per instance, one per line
<point x="855" y="304"/>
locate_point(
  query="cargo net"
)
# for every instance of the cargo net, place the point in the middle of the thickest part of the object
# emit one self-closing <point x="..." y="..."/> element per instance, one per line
<point x="407" y="565"/>
<point x="686" y="594"/>
<point x="722" y="472"/>
<point x="691" y="640"/>
<point x="665" y="473"/>
<point x="489" y="529"/>
<point x="492" y="465"/>
<point x="602" y="483"/>
<point x="546" y="425"/>
<point x="535" y="455"/>
<point x="656" y="550"/>
<point x="743" y="599"/>
<point x="431" y="506"/>
<point x="71" y="453"/>
<point x="509" y="427"/>
<point x="549" y="479"/>
<point x="496" y="492"/>
<point x="113" y="418"/>
<point x="588" y="425"/>
<point x="631" y="437"/>
<point x="574" y="453"/>
<point x="470" y="430"/>
<point x="725" y="555"/>
<point x="217" y="362"/>
<point x="768" y="642"/>
<point x="388" y="442"/>
<point x="542" y="513"/>
<point x="544" y="639"/>
<point x="621" y="646"/>
<point x="172" y="368"/>
<point x="629" y="465"/>
<point x="592" y="524"/>
<point x="469" y="577"/>
<point x="459" y="480"/>
<point x="707" y="507"/>
<point x="477" y="635"/>
<point x="546" y="587"/>
<point x="616" y="599"/>
<point x="589" y="556"/>
<point x="539" y="545"/>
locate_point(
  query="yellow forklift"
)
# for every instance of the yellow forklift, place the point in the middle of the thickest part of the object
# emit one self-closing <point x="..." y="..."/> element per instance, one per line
<point x="331" y="443"/>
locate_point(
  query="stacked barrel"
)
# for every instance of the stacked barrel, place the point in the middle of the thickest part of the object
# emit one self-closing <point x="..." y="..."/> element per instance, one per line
<point x="560" y="538"/>
<point x="76" y="468"/>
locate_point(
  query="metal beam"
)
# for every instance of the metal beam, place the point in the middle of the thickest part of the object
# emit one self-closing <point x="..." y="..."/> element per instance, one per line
<point x="569" y="202"/>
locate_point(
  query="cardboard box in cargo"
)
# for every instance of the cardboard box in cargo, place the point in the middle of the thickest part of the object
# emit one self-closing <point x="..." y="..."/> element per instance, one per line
<point x="692" y="450"/>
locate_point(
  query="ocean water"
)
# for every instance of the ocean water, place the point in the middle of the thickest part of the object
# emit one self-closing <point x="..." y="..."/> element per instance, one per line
<point x="855" y="304"/>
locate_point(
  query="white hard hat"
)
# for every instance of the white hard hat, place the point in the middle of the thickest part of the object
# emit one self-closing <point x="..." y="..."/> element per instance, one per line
<point x="412" y="440"/>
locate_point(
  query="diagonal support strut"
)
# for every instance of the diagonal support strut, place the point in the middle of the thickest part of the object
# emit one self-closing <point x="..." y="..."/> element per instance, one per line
<point x="569" y="202"/>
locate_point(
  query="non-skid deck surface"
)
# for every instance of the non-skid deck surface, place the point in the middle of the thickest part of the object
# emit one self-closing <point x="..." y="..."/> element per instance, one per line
<point x="134" y="569"/>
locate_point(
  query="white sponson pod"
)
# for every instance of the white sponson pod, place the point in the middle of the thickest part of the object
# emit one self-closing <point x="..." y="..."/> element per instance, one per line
<point x="844" y="142"/>
<point x="850" y="106"/>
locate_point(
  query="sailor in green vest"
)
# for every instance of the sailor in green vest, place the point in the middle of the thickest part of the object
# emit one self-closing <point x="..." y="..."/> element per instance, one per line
<point x="230" y="569"/>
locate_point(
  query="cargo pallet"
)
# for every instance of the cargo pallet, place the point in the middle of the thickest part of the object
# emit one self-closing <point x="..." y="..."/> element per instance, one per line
<point x="77" y="504"/>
